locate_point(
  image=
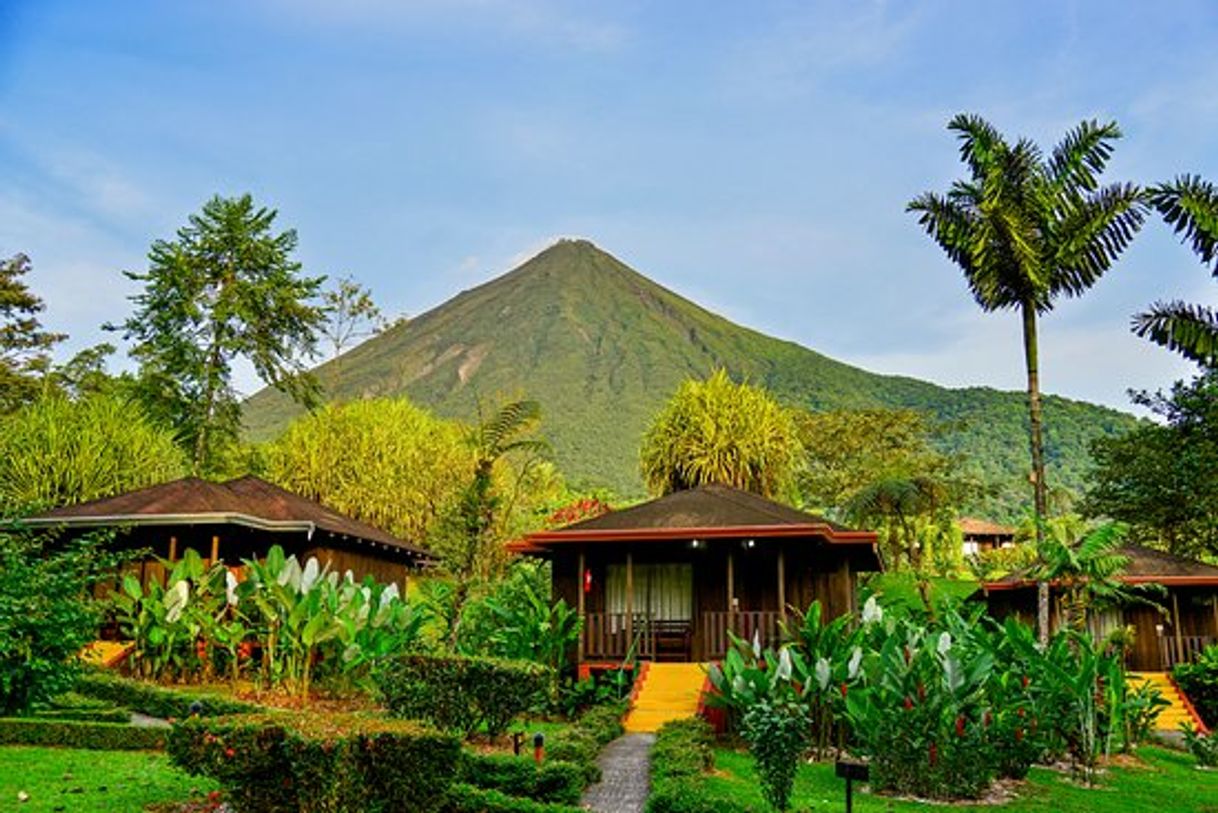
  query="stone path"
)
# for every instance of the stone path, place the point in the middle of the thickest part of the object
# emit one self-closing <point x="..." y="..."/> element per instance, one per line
<point x="625" y="776"/>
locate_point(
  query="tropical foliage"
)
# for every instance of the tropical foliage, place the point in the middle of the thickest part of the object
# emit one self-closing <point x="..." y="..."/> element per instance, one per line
<point x="718" y="431"/>
<point x="24" y="344"/>
<point x="279" y="625"/>
<point x="1027" y="230"/>
<point x="225" y="290"/>
<point x="61" y="452"/>
<point x="381" y="460"/>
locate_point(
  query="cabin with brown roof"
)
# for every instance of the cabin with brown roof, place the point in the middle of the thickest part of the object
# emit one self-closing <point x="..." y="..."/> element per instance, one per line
<point x="981" y="535"/>
<point x="1185" y="622"/>
<point x="670" y="578"/>
<point x="235" y="520"/>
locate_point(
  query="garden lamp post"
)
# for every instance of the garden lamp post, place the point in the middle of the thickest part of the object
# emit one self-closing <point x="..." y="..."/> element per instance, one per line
<point x="850" y="770"/>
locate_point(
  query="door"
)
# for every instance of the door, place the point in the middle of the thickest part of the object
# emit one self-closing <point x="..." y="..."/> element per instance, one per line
<point x="663" y="605"/>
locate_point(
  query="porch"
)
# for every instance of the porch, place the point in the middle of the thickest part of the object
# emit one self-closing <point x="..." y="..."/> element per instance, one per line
<point x="618" y="637"/>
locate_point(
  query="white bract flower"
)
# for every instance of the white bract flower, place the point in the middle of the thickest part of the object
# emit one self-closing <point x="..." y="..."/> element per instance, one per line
<point x="872" y="611"/>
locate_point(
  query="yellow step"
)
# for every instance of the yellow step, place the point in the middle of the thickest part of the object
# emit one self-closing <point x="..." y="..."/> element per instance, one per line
<point x="668" y="691"/>
<point x="1171" y="717"/>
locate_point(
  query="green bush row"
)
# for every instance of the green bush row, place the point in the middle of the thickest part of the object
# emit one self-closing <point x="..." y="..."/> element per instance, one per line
<point x="110" y="714"/>
<point x="461" y="694"/>
<point x="682" y="757"/>
<point x="582" y="742"/>
<point x="81" y="734"/>
<point x="552" y="781"/>
<point x="319" y="763"/>
<point x="463" y="798"/>
<point x="156" y="701"/>
<point x="1199" y="681"/>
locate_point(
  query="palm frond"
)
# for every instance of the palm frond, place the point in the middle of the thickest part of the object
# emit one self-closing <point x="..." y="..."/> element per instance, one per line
<point x="980" y="142"/>
<point x="1190" y="330"/>
<point x="1082" y="155"/>
<point x="1190" y="206"/>
<point x="511" y="419"/>
<point x="1091" y="234"/>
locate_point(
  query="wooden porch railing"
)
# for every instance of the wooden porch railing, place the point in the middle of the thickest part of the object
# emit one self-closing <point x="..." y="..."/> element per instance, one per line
<point x="607" y="636"/>
<point x="1170" y="648"/>
<point x="743" y="624"/>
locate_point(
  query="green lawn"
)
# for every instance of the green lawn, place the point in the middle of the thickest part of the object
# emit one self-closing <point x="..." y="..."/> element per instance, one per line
<point x="1165" y="782"/>
<point x="91" y="781"/>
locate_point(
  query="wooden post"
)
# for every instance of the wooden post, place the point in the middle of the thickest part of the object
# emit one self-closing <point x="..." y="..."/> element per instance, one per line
<point x="782" y="584"/>
<point x="731" y="592"/>
<point x="1175" y="612"/>
<point x="173" y="549"/>
<point x="581" y="603"/>
<point x="1215" y="603"/>
<point x="215" y="550"/>
<point x="629" y="600"/>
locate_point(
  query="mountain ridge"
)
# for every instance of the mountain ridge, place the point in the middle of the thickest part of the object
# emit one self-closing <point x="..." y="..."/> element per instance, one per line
<point x="602" y="346"/>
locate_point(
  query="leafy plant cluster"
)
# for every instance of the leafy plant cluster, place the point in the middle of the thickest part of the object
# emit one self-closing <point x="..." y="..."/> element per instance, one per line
<point x="338" y="763"/>
<point x="551" y="781"/>
<point x="1199" y="680"/>
<point x="682" y="757"/>
<point x="1203" y="747"/>
<point x="282" y="625"/>
<point x="461" y="694"/>
<point x="941" y="707"/>
<point x="581" y="742"/>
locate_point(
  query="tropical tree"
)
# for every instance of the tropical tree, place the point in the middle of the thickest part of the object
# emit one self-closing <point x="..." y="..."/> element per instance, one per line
<point x="1190" y="206"/>
<point x="467" y="541"/>
<point x="1087" y="564"/>
<point x="61" y="452"/>
<point x="1159" y="477"/>
<point x="383" y="460"/>
<point x="718" y="431"/>
<point x="351" y="314"/>
<point x="225" y="290"/>
<point x="24" y="344"/>
<point x="1026" y="230"/>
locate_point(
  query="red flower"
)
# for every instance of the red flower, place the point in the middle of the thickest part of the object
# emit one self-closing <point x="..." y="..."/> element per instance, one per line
<point x="907" y="656"/>
<point x="987" y="719"/>
<point x="960" y="726"/>
<point x="213" y="796"/>
<point x="229" y="753"/>
<point x="908" y="703"/>
<point x="1019" y="735"/>
<point x="1020" y="712"/>
<point x="844" y="688"/>
<point x="1025" y="681"/>
<point x="921" y="692"/>
<point x="934" y="754"/>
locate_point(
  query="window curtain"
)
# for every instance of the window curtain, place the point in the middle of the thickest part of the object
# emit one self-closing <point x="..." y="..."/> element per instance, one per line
<point x="663" y="591"/>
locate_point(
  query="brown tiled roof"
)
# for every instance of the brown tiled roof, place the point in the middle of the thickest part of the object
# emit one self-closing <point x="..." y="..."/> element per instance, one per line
<point x="971" y="526"/>
<point x="1145" y="565"/>
<point x="249" y="501"/>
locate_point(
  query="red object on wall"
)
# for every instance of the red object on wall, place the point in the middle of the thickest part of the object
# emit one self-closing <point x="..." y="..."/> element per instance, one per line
<point x="588" y="580"/>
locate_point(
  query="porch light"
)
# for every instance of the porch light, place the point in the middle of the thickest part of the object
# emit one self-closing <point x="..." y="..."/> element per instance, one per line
<point x="749" y="544"/>
<point x="697" y="544"/>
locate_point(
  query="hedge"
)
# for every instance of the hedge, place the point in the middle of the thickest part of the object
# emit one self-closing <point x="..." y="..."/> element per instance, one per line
<point x="312" y="762"/>
<point x="461" y="694"/>
<point x="681" y="758"/>
<point x="81" y="734"/>
<point x="552" y="781"/>
<point x="157" y="701"/>
<point x="463" y="798"/>
<point x="1199" y="682"/>
<point x="582" y="742"/>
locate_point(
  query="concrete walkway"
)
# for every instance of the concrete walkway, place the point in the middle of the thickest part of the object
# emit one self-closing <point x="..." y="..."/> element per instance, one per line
<point x="625" y="776"/>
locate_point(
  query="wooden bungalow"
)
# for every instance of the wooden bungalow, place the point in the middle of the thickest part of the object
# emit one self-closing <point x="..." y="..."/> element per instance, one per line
<point x="981" y="535"/>
<point x="668" y="579"/>
<point x="1184" y="623"/>
<point x="235" y="520"/>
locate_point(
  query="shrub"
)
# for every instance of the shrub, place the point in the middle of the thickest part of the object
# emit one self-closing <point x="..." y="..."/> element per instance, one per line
<point x="1199" y="680"/>
<point x="337" y="763"/>
<point x="582" y="741"/>
<point x="463" y="798"/>
<point x="156" y="701"/>
<point x="81" y="734"/>
<point x="777" y="735"/>
<point x="680" y="760"/>
<point x="47" y="614"/>
<point x="1203" y="748"/>
<point x="552" y="781"/>
<point x="461" y="694"/>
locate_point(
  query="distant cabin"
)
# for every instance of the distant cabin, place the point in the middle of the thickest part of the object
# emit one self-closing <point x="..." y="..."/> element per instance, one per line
<point x="981" y="536"/>
<point x="235" y="520"/>
<point x="671" y="578"/>
<point x="1185" y="622"/>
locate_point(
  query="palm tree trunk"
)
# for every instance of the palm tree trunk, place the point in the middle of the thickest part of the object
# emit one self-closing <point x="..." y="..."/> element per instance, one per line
<point x="1031" y="357"/>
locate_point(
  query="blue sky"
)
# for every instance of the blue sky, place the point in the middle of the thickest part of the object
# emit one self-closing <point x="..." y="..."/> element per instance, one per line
<point x="755" y="157"/>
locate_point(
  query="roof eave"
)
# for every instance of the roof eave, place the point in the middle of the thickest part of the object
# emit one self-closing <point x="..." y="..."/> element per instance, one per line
<point x="541" y="538"/>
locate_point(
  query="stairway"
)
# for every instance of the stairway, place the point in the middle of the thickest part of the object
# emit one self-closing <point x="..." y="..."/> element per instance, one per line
<point x="1180" y="710"/>
<point x="663" y="692"/>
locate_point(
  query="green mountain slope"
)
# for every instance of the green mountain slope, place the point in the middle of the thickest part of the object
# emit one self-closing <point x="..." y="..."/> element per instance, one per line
<point x="602" y="347"/>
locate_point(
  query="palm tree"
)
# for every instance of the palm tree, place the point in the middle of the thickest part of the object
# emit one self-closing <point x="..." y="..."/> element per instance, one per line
<point x="1190" y="206"/>
<point x="1088" y="566"/>
<point x="1026" y="230"/>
